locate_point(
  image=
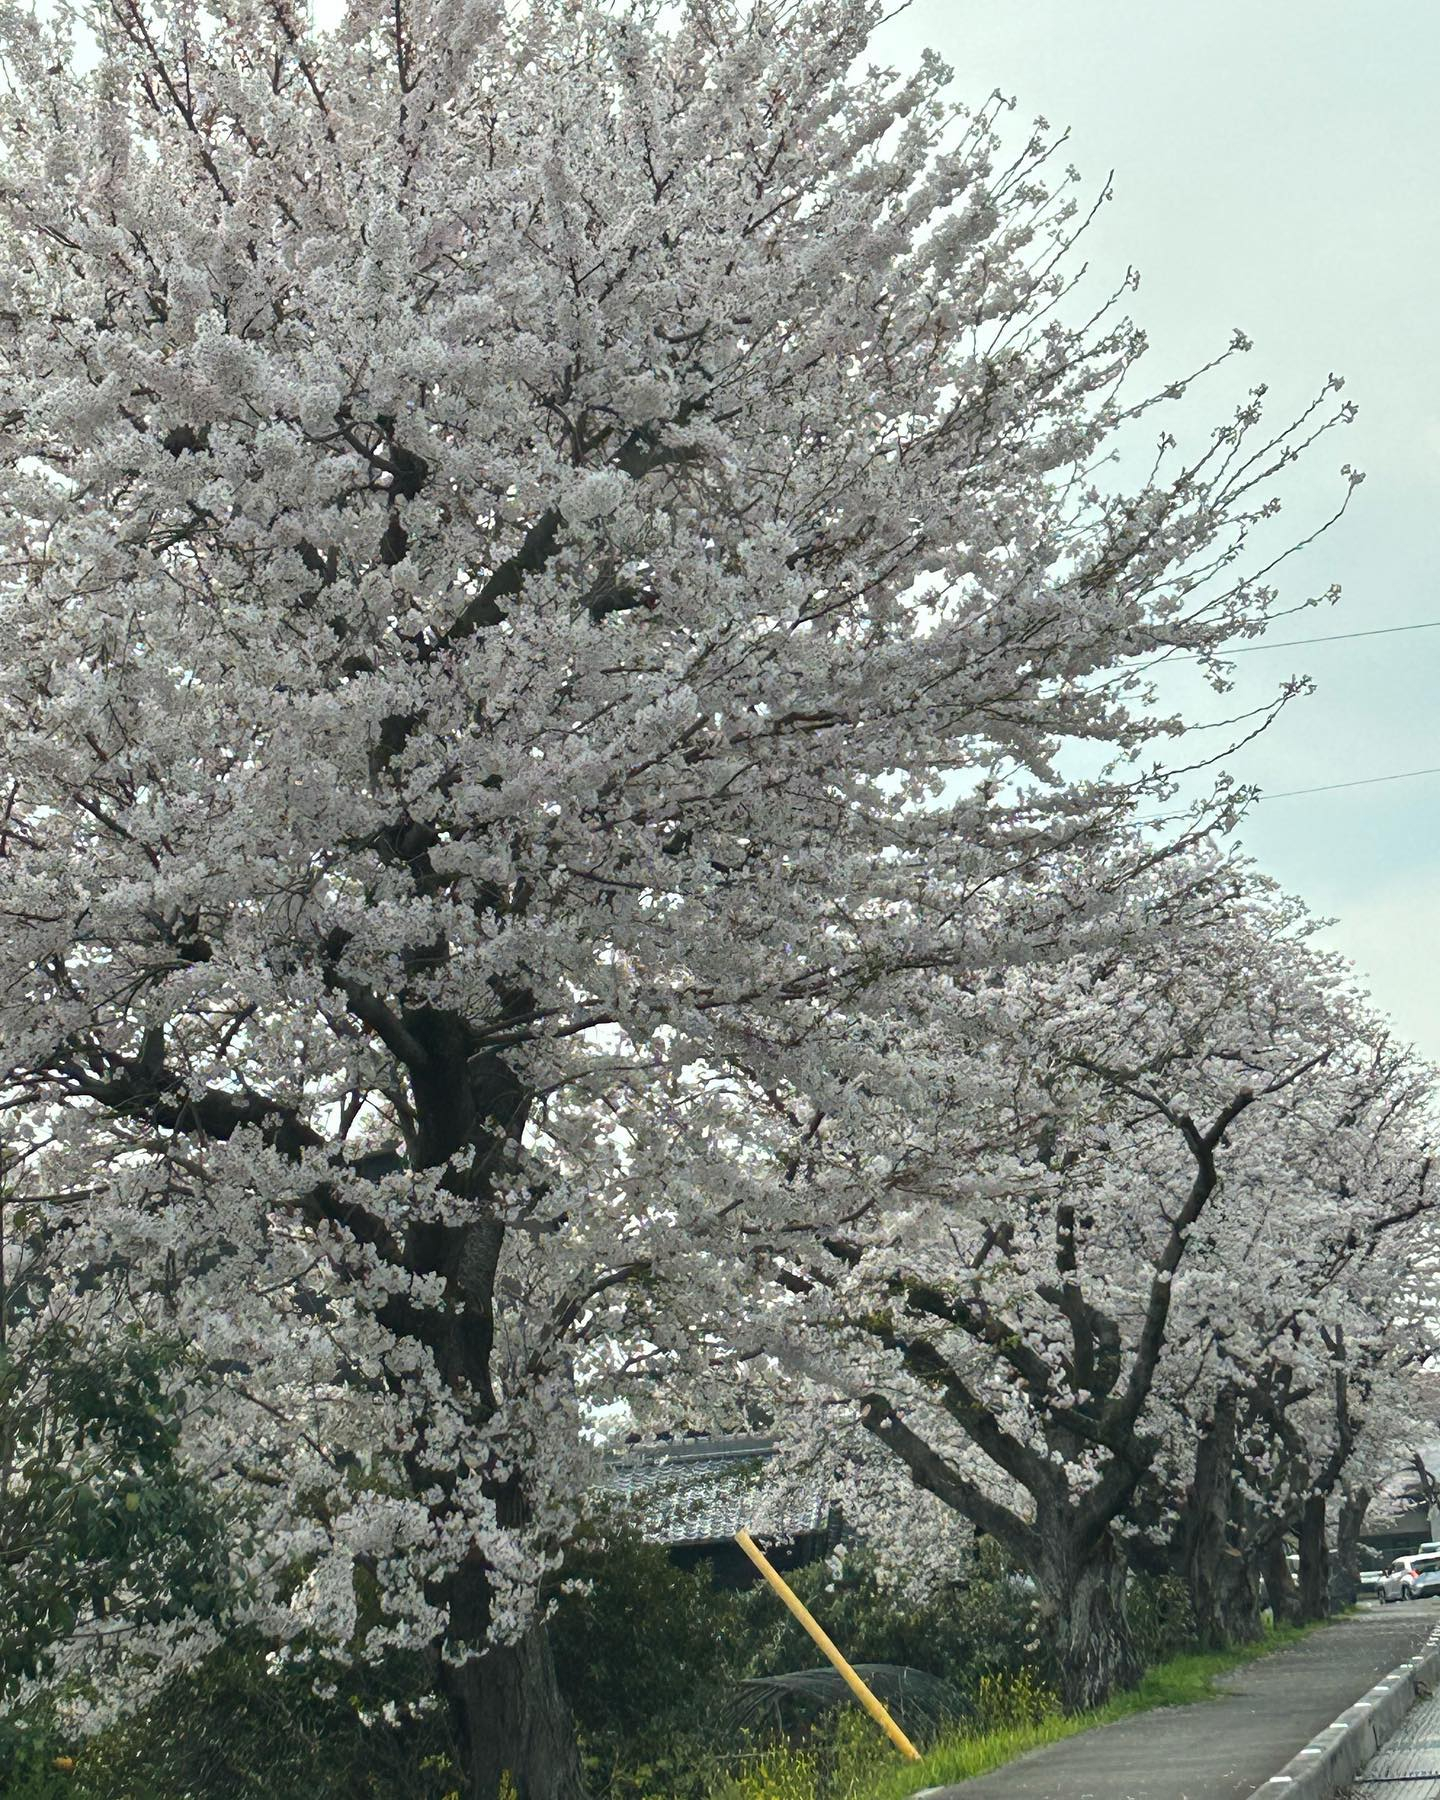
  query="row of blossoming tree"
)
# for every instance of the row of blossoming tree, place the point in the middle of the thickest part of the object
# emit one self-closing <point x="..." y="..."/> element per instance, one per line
<point x="561" y="563"/>
<point x="1114" y="1254"/>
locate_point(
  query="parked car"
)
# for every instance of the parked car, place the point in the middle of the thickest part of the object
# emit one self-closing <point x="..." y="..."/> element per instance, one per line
<point x="1370" y="1580"/>
<point x="1427" y="1583"/>
<point x="1398" y="1581"/>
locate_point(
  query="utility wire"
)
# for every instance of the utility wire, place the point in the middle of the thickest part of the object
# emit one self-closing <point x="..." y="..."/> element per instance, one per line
<point x="1335" y="637"/>
<point x="1327" y="787"/>
<point x="1331" y="787"/>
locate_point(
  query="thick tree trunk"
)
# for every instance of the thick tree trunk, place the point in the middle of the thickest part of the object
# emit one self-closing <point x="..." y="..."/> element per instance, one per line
<point x="1238" y="1593"/>
<point x="513" y="1731"/>
<point x="510" y="1720"/>
<point x="1205" y="1580"/>
<point x="1354" y="1504"/>
<point x="1280" y="1588"/>
<point x="1082" y="1598"/>
<point x="1224" y="1599"/>
<point x="1201" y="1582"/>
<point x="1314" y="1560"/>
<point x="514" y="1735"/>
<point x="1206" y="1558"/>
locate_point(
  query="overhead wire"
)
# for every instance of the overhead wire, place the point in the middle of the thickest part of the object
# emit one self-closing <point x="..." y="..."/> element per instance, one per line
<point x="1334" y="637"/>
<point x="1338" y="637"/>
<point x="1330" y="787"/>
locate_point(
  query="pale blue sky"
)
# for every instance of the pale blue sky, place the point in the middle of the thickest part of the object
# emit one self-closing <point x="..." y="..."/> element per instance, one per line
<point x="1276" y="166"/>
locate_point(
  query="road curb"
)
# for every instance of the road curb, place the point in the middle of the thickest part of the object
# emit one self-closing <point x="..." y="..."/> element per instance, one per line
<point x="1338" y="1753"/>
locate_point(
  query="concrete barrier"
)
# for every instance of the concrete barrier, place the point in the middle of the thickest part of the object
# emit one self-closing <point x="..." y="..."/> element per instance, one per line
<point x="1342" y="1750"/>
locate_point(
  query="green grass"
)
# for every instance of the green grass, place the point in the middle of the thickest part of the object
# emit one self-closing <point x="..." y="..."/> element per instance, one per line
<point x="867" y="1769"/>
<point x="1181" y="1681"/>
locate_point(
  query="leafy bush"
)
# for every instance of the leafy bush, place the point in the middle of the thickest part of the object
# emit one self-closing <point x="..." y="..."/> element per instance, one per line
<point x="97" y="1513"/>
<point x="840" y="1763"/>
<point x="241" y="1728"/>
<point x="32" y="1760"/>
<point x="984" y="1627"/>
<point x="644" y="1652"/>
<point x="648" y="1654"/>
<point x="1161" y="1621"/>
<point x="94" y="1501"/>
<point x="1009" y="1701"/>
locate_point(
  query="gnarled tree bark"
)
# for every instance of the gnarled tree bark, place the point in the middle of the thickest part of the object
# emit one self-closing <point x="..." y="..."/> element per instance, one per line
<point x="1280" y="1588"/>
<point x="1314" y="1560"/>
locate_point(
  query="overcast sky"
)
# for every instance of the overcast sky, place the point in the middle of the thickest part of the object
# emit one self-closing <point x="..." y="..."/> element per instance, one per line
<point x="1276" y="167"/>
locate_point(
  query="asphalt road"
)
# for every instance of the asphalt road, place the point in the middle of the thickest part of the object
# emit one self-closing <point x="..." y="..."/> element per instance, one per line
<point x="1224" y="1749"/>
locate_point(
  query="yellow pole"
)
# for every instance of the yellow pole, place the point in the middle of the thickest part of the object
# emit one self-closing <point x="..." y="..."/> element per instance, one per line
<point x="856" y="1686"/>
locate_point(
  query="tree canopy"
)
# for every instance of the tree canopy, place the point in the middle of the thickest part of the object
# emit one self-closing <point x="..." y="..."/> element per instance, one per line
<point x="560" y="562"/>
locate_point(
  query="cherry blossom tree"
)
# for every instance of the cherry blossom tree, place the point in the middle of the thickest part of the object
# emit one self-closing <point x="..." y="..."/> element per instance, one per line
<point x="1265" y="1460"/>
<point x="1108" y="1198"/>
<point x="1309" y="1371"/>
<point x="532" y="539"/>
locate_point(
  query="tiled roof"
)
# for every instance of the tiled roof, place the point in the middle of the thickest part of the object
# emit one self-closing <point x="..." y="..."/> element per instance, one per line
<point x="704" y="1490"/>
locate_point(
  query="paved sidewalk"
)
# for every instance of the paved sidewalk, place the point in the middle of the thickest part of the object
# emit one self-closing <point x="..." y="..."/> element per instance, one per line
<point x="1221" y="1749"/>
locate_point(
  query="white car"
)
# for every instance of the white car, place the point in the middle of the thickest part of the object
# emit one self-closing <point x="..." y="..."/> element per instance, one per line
<point x="1398" y="1581"/>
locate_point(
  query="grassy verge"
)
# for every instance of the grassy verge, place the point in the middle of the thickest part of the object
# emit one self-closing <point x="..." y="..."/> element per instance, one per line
<point x="1179" y="1682"/>
<point x="865" y="1769"/>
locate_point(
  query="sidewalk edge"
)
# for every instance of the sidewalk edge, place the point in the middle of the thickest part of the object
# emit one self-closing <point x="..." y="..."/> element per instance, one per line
<point x="1337" y="1754"/>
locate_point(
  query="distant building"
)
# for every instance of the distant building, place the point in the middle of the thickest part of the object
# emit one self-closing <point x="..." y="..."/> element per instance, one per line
<point x="693" y="1494"/>
<point x="1397" y="1534"/>
<point x="1402" y="1515"/>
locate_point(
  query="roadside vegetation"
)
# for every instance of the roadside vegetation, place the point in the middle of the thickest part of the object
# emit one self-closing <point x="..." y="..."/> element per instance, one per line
<point x="852" y="1765"/>
<point x="654" y="1661"/>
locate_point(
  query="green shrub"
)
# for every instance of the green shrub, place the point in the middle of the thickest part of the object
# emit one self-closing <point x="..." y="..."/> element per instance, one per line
<point x="982" y="1627"/>
<point x="646" y="1652"/>
<point x="648" y="1655"/>
<point x="30" y="1750"/>
<point x="1011" y="1700"/>
<point x="1161" y="1621"/>
<point x="95" y="1500"/>
<point x="95" y="1503"/>
<point x="240" y="1728"/>
<point x="842" y="1762"/>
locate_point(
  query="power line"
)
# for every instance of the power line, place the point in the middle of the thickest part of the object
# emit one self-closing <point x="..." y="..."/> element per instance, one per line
<point x="1331" y="787"/>
<point x="1335" y="637"/>
<point x="1327" y="787"/>
<point x="1160" y="655"/>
